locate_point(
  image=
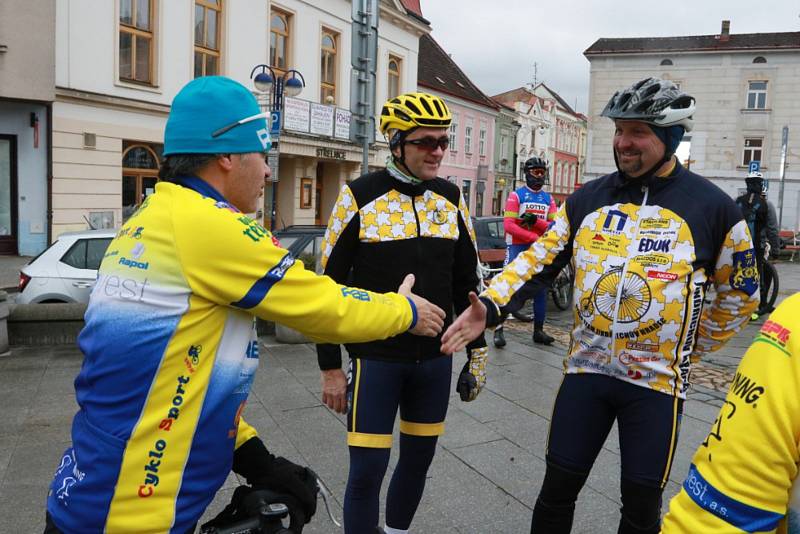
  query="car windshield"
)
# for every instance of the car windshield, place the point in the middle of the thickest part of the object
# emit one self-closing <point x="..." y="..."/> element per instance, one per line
<point x="286" y="241"/>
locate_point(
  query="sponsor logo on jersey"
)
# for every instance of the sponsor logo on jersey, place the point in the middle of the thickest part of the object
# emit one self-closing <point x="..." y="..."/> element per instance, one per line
<point x="626" y="358"/>
<point x="134" y="264"/>
<point x="615" y="221"/>
<point x="123" y="288"/>
<point x="661" y="275"/>
<point x="192" y="358"/>
<point x="595" y="355"/>
<point x="654" y="245"/>
<point x="254" y="230"/>
<point x="225" y="206"/>
<point x="642" y="347"/>
<point x="137" y="251"/>
<point x="134" y="232"/>
<point x="775" y="334"/>
<point x="650" y="223"/>
<point x="746" y="389"/>
<point x="598" y="237"/>
<point x="650" y="260"/>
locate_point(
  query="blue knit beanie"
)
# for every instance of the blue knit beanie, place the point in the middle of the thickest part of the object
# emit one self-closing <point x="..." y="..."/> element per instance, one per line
<point x="670" y="135"/>
<point x="207" y="118"/>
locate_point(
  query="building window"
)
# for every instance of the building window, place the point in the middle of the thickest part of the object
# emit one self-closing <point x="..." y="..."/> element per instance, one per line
<point x="482" y="142"/>
<point x="666" y="62"/>
<point x="503" y="149"/>
<point x="466" y="190"/>
<point x="207" y="19"/>
<point x="328" y="74"/>
<point x="279" y="41"/>
<point x="139" y="174"/>
<point x="136" y="37"/>
<point x="468" y="140"/>
<point x="752" y="150"/>
<point x="394" y="77"/>
<point x="453" y="132"/>
<point x="759" y="59"/>
<point x="757" y="95"/>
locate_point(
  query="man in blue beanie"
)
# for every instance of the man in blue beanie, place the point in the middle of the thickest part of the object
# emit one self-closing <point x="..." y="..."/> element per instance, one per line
<point x="646" y="242"/>
<point x="169" y="343"/>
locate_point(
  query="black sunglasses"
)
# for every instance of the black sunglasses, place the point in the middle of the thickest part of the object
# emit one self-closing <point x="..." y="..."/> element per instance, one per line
<point x="430" y="143"/>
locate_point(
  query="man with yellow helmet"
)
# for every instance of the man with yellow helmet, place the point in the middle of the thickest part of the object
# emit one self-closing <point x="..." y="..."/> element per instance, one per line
<point x="401" y="219"/>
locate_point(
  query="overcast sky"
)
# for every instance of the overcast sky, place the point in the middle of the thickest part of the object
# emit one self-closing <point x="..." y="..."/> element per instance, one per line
<point x="496" y="42"/>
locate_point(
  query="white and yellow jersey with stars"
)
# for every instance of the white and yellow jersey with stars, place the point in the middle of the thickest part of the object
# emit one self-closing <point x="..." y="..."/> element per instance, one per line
<point x="644" y="256"/>
<point x="170" y="354"/>
<point x="743" y="477"/>
<point x="382" y="229"/>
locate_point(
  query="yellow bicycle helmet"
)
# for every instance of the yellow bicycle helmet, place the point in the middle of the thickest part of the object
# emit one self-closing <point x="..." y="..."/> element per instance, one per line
<point x="412" y="110"/>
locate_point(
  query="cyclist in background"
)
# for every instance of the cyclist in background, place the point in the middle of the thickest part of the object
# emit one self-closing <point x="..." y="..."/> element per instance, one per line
<point x="759" y="214"/>
<point x="743" y="478"/>
<point x="529" y="212"/>
<point x="645" y="242"/>
<point x="400" y="219"/>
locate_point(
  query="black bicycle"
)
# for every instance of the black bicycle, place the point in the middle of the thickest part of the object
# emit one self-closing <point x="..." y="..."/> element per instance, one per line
<point x="770" y="284"/>
<point x="563" y="286"/>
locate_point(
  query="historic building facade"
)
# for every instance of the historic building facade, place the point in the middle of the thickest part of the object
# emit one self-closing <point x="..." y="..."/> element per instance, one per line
<point x="746" y="91"/>
<point x="469" y="161"/>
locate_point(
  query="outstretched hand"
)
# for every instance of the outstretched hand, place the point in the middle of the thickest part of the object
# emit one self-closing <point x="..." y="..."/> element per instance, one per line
<point x="430" y="317"/>
<point x="467" y="327"/>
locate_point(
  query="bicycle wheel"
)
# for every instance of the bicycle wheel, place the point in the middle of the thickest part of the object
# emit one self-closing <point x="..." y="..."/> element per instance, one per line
<point x="562" y="288"/>
<point x="769" y="277"/>
<point x="634" y="298"/>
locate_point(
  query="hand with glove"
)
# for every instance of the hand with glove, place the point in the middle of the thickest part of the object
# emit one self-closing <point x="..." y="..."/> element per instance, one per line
<point x="264" y="470"/>
<point x="473" y="375"/>
<point x="529" y="219"/>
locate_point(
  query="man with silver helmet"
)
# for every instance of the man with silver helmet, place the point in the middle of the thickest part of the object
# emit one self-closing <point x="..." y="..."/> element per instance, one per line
<point x="646" y="242"/>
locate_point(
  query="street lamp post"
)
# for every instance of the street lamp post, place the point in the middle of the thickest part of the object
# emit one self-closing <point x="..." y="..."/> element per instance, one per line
<point x="273" y="86"/>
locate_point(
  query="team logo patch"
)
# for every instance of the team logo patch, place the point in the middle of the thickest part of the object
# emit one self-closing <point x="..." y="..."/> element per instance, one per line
<point x="745" y="273"/>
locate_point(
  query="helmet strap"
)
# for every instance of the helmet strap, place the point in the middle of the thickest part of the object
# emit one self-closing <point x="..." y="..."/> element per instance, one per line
<point x="398" y="140"/>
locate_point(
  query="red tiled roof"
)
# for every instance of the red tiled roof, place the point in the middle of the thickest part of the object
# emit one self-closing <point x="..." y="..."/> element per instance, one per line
<point x="412" y="6"/>
<point x="693" y="43"/>
<point x="438" y="71"/>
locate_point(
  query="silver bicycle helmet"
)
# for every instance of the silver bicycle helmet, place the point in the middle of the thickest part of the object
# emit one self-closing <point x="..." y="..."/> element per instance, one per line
<point x="654" y="101"/>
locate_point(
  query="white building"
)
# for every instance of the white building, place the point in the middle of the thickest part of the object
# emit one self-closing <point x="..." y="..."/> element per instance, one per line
<point x="26" y="96"/>
<point x="549" y="129"/>
<point x="746" y="87"/>
<point x="119" y="64"/>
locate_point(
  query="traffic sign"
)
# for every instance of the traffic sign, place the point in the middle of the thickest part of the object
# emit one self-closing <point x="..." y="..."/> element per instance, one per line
<point x="274" y="123"/>
<point x="755" y="166"/>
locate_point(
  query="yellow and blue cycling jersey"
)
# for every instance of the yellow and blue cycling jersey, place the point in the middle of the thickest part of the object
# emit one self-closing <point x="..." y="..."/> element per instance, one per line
<point x="170" y="354"/>
<point x="743" y="477"/>
<point x="644" y="255"/>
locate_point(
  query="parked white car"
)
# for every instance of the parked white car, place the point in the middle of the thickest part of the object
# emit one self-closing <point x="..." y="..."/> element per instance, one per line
<point x="66" y="271"/>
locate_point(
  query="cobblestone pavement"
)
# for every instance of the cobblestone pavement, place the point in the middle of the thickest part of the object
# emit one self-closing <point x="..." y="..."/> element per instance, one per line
<point x="487" y="470"/>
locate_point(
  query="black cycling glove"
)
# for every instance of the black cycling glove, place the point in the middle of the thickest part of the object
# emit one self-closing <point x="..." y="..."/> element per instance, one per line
<point x="529" y="219"/>
<point x="263" y="470"/>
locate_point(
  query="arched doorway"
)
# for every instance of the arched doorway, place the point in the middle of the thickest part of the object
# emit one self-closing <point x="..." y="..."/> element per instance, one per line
<point x="139" y="174"/>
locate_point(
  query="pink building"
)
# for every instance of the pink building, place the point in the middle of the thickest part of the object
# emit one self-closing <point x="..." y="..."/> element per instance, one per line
<point x="469" y="160"/>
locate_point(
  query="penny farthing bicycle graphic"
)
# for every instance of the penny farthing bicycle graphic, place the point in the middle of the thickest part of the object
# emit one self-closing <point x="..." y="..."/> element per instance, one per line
<point x="633" y="303"/>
